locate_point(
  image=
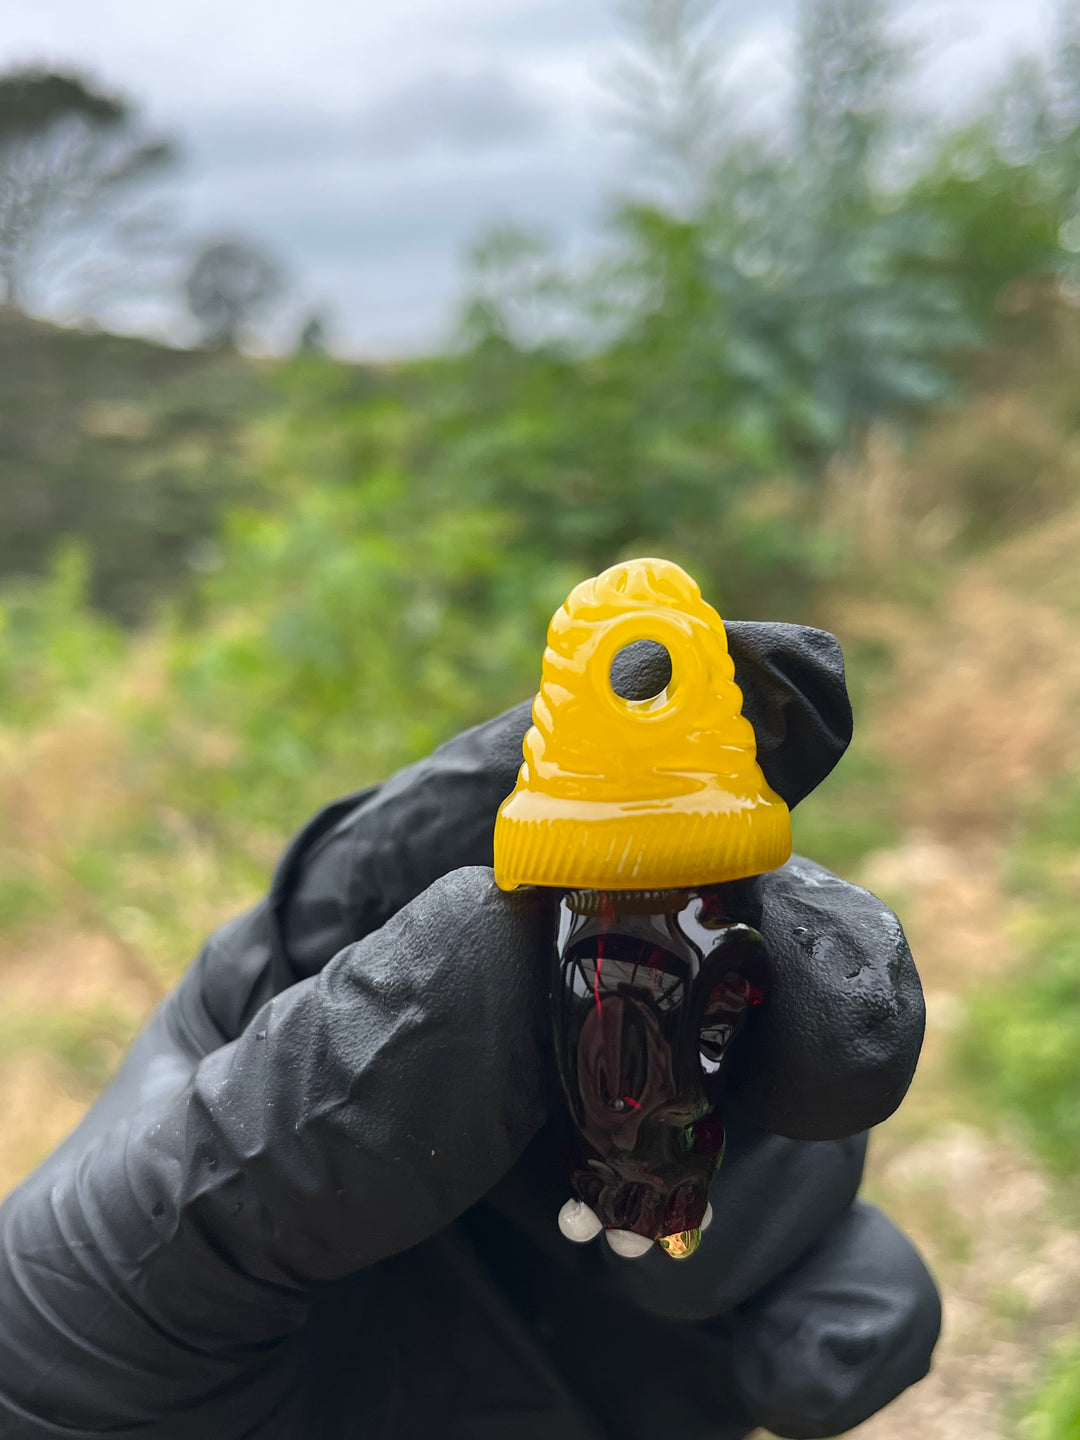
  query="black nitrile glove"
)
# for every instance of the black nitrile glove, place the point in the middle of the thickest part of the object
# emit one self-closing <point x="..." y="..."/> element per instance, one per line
<point x="317" y="1199"/>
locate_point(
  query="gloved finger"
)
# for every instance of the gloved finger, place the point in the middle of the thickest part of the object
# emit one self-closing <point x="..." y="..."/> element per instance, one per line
<point x="368" y="855"/>
<point x="832" y="1049"/>
<point x="360" y="1112"/>
<point x="841" y="1334"/>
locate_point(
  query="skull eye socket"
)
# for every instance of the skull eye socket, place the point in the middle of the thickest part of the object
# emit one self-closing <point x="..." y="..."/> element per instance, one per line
<point x="607" y="966"/>
<point x="727" y="1004"/>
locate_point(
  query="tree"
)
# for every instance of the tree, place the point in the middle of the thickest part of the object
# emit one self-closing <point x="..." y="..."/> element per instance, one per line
<point x="848" y="67"/>
<point x="671" y="97"/>
<point x="228" y="286"/>
<point x="72" y="163"/>
<point x="311" y="336"/>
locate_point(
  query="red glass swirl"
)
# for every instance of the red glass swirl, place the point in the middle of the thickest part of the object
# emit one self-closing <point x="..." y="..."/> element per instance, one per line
<point x="650" y="991"/>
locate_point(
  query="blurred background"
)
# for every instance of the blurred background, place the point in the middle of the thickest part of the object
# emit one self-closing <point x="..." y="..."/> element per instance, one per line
<point x="336" y="344"/>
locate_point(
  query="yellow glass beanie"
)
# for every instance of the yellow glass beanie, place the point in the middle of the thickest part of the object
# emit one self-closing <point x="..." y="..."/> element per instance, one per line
<point x="655" y="794"/>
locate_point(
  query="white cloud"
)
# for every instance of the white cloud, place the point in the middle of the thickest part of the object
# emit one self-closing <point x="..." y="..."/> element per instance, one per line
<point x="478" y="111"/>
<point x="366" y="144"/>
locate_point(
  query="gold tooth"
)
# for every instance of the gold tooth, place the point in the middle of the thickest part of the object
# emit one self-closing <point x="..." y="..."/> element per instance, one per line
<point x="682" y="1244"/>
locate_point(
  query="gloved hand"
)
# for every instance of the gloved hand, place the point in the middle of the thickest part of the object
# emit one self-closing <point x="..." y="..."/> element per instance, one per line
<point x="247" y="1234"/>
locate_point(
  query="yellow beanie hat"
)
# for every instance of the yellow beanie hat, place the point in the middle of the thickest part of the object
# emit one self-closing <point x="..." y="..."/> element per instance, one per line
<point x="654" y="794"/>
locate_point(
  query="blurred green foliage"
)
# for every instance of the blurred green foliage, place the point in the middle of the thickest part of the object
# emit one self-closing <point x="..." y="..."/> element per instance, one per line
<point x="685" y="392"/>
<point x="1019" y="1045"/>
<point x="757" y="302"/>
<point x="320" y="570"/>
<point x="88" y="1043"/>
<point x="131" y="448"/>
<point x="852" y="814"/>
<point x="53" y="644"/>
<point x="1054" y="1414"/>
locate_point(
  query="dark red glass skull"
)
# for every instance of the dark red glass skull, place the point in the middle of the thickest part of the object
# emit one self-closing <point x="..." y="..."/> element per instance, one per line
<point x="649" y="992"/>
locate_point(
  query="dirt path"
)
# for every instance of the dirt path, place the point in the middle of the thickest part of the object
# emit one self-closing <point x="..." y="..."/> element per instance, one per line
<point x="980" y="718"/>
<point x="979" y="1208"/>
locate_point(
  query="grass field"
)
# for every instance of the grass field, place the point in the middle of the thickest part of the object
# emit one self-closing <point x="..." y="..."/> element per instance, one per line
<point x="960" y="615"/>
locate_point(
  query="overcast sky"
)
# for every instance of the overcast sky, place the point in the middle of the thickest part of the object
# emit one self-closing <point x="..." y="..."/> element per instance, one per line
<point x="367" y="144"/>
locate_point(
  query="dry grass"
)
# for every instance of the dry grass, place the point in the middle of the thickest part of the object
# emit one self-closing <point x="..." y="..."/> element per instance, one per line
<point x="38" y="1107"/>
<point x="980" y="1209"/>
<point x="978" y="717"/>
<point x="123" y="889"/>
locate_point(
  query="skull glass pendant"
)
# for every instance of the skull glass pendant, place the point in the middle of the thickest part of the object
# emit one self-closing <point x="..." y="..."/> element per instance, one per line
<point x="649" y="992"/>
<point x="653" y="820"/>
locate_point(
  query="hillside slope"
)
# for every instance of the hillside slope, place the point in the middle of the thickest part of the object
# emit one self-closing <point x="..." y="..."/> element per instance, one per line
<point x="129" y="447"/>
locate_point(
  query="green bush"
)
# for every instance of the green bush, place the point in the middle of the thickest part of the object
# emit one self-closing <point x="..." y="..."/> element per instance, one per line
<point x="53" y="646"/>
<point x="1019" y="1045"/>
<point x="1055" y="1412"/>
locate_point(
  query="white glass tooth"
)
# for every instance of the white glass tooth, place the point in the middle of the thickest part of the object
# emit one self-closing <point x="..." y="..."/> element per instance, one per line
<point x="706" y="1219"/>
<point x="627" y="1244"/>
<point x="578" y="1223"/>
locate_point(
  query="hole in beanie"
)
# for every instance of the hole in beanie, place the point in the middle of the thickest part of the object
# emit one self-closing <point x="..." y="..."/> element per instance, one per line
<point x="641" y="671"/>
